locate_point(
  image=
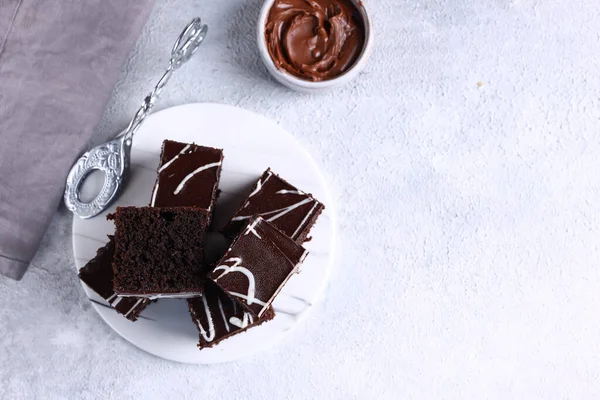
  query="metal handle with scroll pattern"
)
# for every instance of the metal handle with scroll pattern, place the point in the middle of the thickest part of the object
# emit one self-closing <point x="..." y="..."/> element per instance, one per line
<point x="112" y="158"/>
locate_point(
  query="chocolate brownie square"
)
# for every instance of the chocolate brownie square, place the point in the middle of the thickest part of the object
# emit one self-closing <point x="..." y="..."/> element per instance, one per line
<point x="218" y="316"/>
<point x="289" y="209"/>
<point x="257" y="265"/>
<point x="188" y="175"/>
<point x="158" y="251"/>
<point x="97" y="274"/>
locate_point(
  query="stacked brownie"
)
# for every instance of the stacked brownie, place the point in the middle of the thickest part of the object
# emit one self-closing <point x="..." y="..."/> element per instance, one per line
<point x="97" y="274"/>
<point x="157" y="251"/>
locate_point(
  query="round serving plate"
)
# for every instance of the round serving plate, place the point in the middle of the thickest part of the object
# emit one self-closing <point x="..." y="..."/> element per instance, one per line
<point x="251" y="143"/>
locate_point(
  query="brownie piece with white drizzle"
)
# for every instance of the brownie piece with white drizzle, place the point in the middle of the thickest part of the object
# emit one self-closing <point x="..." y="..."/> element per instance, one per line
<point x="188" y="175"/>
<point x="218" y="316"/>
<point x="289" y="209"/>
<point x="257" y="265"/>
<point x="97" y="274"/>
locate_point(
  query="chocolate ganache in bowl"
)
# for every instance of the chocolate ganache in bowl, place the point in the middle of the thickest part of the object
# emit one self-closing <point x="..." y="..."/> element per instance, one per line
<point x="315" y="40"/>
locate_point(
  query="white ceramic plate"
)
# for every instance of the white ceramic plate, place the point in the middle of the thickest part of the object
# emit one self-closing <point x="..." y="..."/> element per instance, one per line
<point x="251" y="143"/>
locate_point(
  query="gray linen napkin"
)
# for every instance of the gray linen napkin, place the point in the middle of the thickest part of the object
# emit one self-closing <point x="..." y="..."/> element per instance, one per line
<point x="59" y="62"/>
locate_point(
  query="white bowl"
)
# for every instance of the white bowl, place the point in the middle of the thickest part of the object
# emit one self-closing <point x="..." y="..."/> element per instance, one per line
<point x="302" y="85"/>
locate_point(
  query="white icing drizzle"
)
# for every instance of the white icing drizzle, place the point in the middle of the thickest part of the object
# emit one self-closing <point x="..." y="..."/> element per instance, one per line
<point x="284" y="191"/>
<point x="304" y="220"/>
<point x="301" y="260"/>
<point x="209" y="337"/>
<point x="191" y="175"/>
<point x="288" y="209"/>
<point x="117" y="301"/>
<point x="235" y="321"/>
<point x="137" y="303"/>
<point x="243" y="323"/>
<point x="111" y="297"/>
<point x="243" y="296"/>
<point x="281" y="211"/>
<point x="236" y="267"/>
<point x="251" y="228"/>
<point x="154" y="194"/>
<point x="259" y="184"/>
<point x="223" y="315"/>
<point x="172" y="160"/>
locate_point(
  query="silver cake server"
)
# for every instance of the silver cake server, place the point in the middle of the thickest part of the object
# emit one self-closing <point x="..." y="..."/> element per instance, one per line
<point x="113" y="157"/>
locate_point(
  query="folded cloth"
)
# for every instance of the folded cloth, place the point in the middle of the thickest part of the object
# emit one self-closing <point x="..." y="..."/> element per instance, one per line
<point x="58" y="66"/>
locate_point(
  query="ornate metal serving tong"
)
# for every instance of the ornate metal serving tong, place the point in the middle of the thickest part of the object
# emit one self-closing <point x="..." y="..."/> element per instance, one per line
<point x="113" y="157"/>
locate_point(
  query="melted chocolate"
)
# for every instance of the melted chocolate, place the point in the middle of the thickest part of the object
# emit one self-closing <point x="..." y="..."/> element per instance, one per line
<point x="314" y="40"/>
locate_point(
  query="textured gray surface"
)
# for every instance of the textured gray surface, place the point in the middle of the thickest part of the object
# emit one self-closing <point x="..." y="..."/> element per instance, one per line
<point x="468" y="221"/>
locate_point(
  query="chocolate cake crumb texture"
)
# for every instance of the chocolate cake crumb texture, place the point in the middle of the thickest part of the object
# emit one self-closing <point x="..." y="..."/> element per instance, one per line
<point x="158" y="251"/>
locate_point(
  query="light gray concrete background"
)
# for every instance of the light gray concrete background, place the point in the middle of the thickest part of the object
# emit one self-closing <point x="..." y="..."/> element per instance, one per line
<point x="464" y="166"/>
